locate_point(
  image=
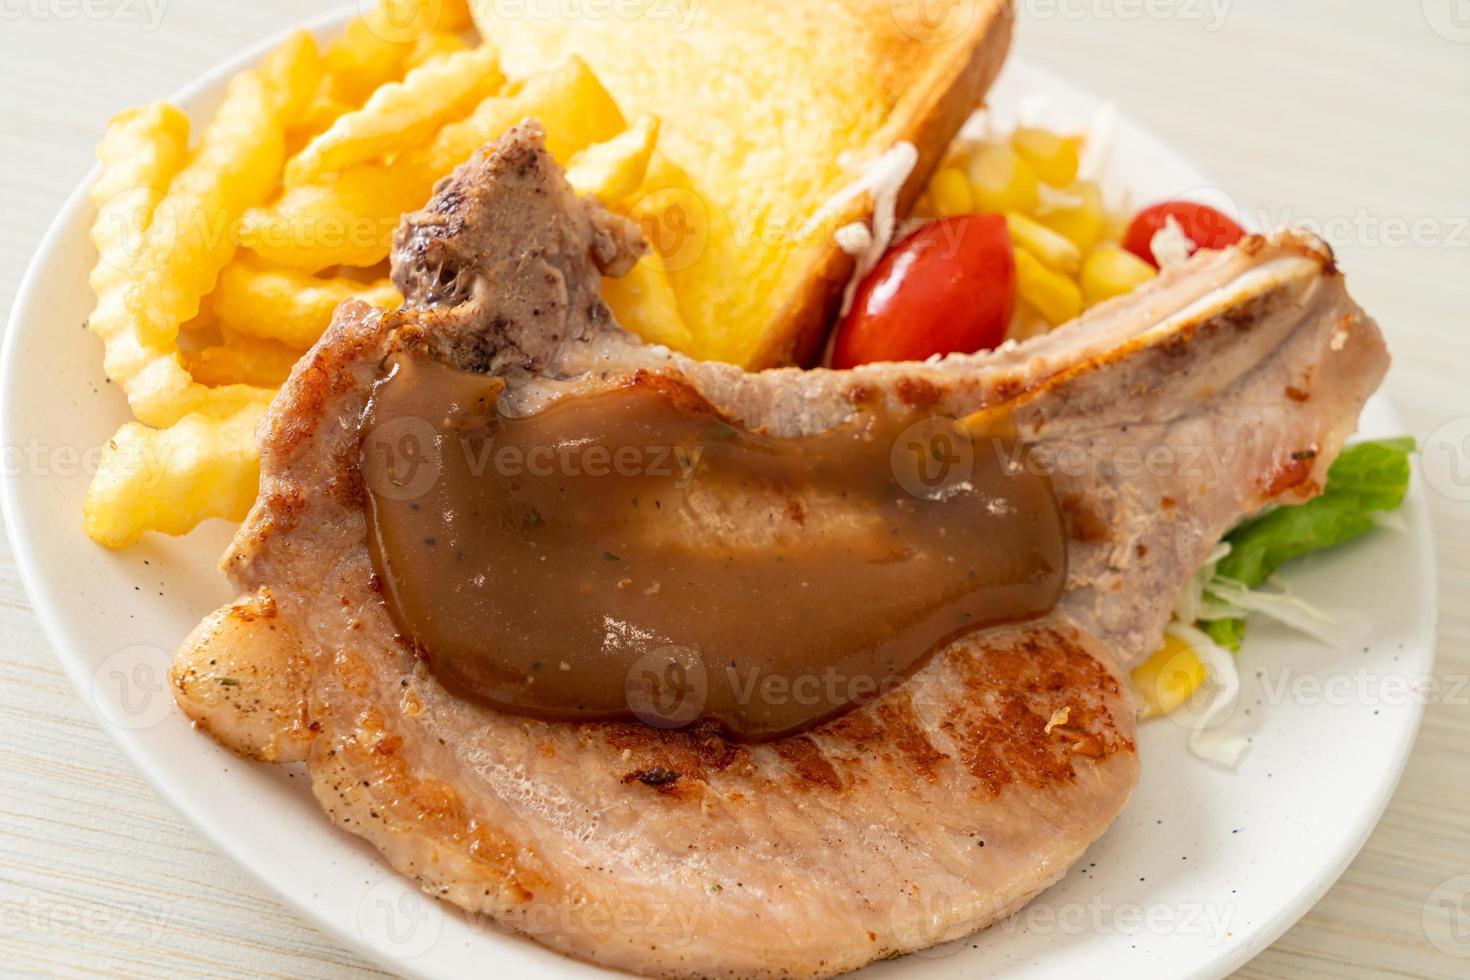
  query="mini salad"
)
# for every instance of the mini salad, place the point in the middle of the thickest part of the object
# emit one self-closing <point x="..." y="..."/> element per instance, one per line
<point x="1011" y="239"/>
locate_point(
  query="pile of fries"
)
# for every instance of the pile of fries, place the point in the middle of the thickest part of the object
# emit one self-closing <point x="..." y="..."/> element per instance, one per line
<point x="221" y="263"/>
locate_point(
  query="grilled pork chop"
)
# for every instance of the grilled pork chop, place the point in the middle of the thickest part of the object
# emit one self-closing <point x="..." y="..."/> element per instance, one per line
<point x="1167" y="416"/>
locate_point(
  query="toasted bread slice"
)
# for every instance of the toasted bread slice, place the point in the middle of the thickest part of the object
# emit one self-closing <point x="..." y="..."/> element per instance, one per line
<point x="760" y="101"/>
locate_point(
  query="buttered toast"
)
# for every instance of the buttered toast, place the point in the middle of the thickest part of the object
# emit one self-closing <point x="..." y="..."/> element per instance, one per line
<point x="762" y="102"/>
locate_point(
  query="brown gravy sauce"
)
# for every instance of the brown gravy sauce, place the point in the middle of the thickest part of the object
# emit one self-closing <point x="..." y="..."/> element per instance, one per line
<point x="632" y="555"/>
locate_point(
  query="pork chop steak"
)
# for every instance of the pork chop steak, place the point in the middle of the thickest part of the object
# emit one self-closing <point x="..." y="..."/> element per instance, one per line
<point x="1163" y="417"/>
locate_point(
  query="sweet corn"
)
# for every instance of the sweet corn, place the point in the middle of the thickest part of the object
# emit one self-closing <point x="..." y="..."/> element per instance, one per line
<point x="949" y="193"/>
<point x="1026" y="322"/>
<point x="1112" y="271"/>
<point x="1168" y="678"/>
<point x="1055" y="296"/>
<point x="1053" y="158"/>
<point x="1083" y="224"/>
<point x="1001" y="181"/>
<point x="1063" y="237"/>
<point x="1051" y="248"/>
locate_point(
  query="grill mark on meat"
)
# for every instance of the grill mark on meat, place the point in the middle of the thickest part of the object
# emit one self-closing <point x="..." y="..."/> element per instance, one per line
<point x="858" y="730"/>
<point x="904" y="730"/>
<point x="1031" y="681"/>
<point x="808" y="764"/>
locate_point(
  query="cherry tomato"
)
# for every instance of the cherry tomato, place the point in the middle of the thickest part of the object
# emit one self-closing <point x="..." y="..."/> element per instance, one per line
<point x="950" y="287"/>
<point x="1205" y="226"/>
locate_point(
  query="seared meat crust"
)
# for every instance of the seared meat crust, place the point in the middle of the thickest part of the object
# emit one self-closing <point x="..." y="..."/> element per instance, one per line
<point x="919" y="818"/>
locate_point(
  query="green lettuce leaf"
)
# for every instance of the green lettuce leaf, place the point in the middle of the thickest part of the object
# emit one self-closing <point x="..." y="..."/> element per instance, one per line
<point x="1367" y="478"/>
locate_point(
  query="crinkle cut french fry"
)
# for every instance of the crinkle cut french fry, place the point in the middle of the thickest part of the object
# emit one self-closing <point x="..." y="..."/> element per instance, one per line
<point x="407" y="21"/>
<point x="236" y="166"/>
<point x="189" y="240"/>
<point x="569" y="101"/>
<point x="316" y="119"/>
<point x="139" y="156"/>
<point x="159" y="388"/>
<point x="171" y="479"/>
<point x="435" y="45"/>
<point x="142" y="151"/>
<point x="319" y="116"/>
<point x="612" y="171"/>
<point x="401" y="115"/>
<point x="297" y="71"/>
<point x="243" y="360"/>
<point x="347" y="221"/>
<point x="454" y="15"/>
<point x="359" y="61"/>
<point x="350" y="219"/>
<point x="644" y="302"/>
<point x="287" y="305"/>
<point x="375" y="49"/>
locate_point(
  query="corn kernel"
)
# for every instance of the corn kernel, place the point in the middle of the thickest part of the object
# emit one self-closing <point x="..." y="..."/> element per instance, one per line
<point x="1051" y="248"/>
<point x="1084" y="223"/>
<point x="1054" y="295"/>
<point x="1054" y="158"/>
<point x="1115" y="227"/>
<point x="1026" y="322"/>
<point x="1000" y="180"/>
<point x="1168" y="678"/>
<point x="949" y="193"/>
<point x="1113" y="271"/>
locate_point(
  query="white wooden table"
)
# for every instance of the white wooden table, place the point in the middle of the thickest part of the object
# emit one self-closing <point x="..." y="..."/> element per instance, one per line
<point x="1351" y="114"/>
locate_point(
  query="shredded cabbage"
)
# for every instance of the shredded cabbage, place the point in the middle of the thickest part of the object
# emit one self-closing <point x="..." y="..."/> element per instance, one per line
<point x="1192" y="600"/>
<point x="1367" y="482"/>
<point x="1223" y="687"/>
<point x="1232" y="600"/>
<point x="1171" y="246"/>
<point x="883" y="179"/>
<point x="1365" y="487"/>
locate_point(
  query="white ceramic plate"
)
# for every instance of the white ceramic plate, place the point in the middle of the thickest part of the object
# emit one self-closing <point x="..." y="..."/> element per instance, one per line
<point x="1203" y="870"/>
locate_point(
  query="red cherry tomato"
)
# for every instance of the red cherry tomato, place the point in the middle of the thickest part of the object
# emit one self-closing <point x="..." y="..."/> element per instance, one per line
<point x="1205" y="226"/>
<point x="950" y="287"/>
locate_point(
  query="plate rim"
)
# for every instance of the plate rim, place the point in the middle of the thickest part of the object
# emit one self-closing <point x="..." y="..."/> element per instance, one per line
<point x="54" y="630"/>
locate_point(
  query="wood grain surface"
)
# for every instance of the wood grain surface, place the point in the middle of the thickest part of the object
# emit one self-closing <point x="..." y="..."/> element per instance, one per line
<point x="1353" y="115"/>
